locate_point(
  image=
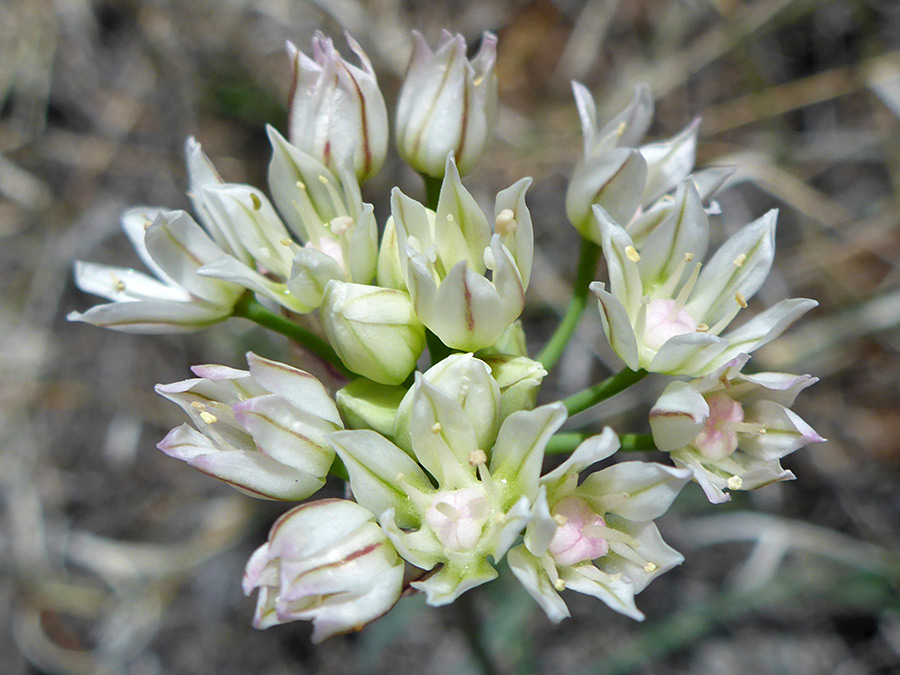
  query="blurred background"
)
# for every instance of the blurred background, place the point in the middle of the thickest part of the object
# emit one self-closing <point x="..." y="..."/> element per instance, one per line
<point x="116" y="558"/>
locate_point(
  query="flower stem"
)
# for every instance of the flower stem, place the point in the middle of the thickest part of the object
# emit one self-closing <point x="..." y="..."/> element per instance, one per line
<point x="250" y="308"/>
<point x="587" y="265"/>
<point x="567" y="441"/>
<point x="432" y="191"/>
<point x="611" y="386"/>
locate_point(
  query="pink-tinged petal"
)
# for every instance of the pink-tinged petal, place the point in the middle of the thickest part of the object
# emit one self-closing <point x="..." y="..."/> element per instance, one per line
<point x="638" y="491"/>
<point x="121" y="284"/>
<point x="677" y="416"/>
<point x="590" y="451"/>
<point x="287" y="434"/>
<point x="260" y="570"/>
<point x="617" y="326"/>
<point x="684" y="232"/>
<point x="741" y="265"/>
<point x="669" y="162"/>
<point x="614" y="590"/>
<point x="265" y="615"/>
<point x="781" y="388"/>
<point x="374" y="465"/>
<point x="612" y="181"/>
<point x="313" y="530"/>
<point x="519" y="451"/>
<point x="250" y="472"/>
<point x="528" y="570"/>
<point x="689" y="354"/>
<point x="468" y="312"/>
<point x="152" y="317"/>
<point x="296" y="386"/>
<point x="785" y="431"/>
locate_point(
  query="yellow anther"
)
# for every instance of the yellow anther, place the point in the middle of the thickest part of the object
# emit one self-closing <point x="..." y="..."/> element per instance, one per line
<point x="323" y="180"/>
<point x="559" y="585"/>
<point x="400" y="478"/>
<point x="735" y="483"/>
<point x="286" y="242"/>
<point x="740" y="260"/>
<point x="208" y="417"/>
<point x="119" y="285"/>
<point x="450" y="218"/>
<point x="264" y="252"/>
<point x="257" y="204"/>
<point x="740" y="300"/>
<point x="300" y="185"/>
<point x="477" y="457"/>
<point x="196" y="405"/>
<point x="688" y="257"/>
<point x="505" y="222"/>
<point x="436" y="428"/>
<point x="651" y="567"/>
<point x="477" y="81"/>
<point x="560" y="519"/>
<point x="621" y="128"/>
<point x="702" y="328"/>
<point x="147" y="224"/>
<point x="632" y="254"/>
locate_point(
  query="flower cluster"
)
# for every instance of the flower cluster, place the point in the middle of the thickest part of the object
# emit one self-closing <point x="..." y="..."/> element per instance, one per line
<point x="445" y="465"/>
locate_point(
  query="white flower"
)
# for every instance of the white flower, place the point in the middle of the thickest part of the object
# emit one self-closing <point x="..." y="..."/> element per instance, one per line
<point x="374" y="330"/>
<point x="485" y="480"/>
<point x="730" y="430"/>
<point x="174" y="248"/>
<point x="444" y="255"/>
<point x="666" y="315"/>
<point x="262" y="431"/>
<point x="631" y="182"/>
<point x="327" y="562"/>
<point x="337" y="110"/>
<point x="447" y="104"/>
<point x="598" y="537"/>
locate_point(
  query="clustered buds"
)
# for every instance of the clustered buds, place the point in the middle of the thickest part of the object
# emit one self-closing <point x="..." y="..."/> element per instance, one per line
<point x="445" y="462"/>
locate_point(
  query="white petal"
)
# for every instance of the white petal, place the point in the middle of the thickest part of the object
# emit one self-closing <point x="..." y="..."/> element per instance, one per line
<point x="238" y="275"/>
<point x="624" y="275"/>
<point x="296" y="386"/>
<point x="445" y="586"/>
<point x="590" y="451"/>
<point x="690" y="354"/>
<point x="310" y="272"/>
<point x="638" y="491"/>
<point x="520" y="241"/>
<point x="519" y="452"/>
<point x="542" y="526"/>
<point x="677" y="416"/>
<point x="152" y="317"/>
<point x="531" y="575"/>
<point x="614" y="181"/>
<point x="650" y="546"/>
<point x="615" y="591"/>
<point x="121" y="284"/>
<point x="669" y="162"/>
<point x="617" y="326"/>
<point x="377" y="467"/>
<point x="461" y="228"/>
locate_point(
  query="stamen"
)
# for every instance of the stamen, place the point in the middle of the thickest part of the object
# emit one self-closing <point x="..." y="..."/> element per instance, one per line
<point x="651" y="567"/>
<point x="621" y="129"/>
<point x="688" y="287"/>
<point x="702" y="328"/>
<point x="505" y="222"/>
<point x="477" y="81"/>
<point x="196" y="405"/>
<point x="632" y="254"/>
<point x="286" y="242"/>
<point x="740" y="300"/>
<point x="609" y="534"/>
<point x="725" y="320"/>
<point x="668" y="287"/>
<point x="147" y="224"/>
<point x="208" y="417"/>
<point x="560" y="519"/>
<point x="340" y="225"/>
<point x="740" y="260"/>
<point x="336" y="200"/>
<point x="301" y="186"/>
<point x="735" y="483"/>
<point x="436" y="428"/>
<point x="744" y="427"/>
<point x="559" y="585"/>
<point x="257" y="204"/>
<point x="477" y="457"/>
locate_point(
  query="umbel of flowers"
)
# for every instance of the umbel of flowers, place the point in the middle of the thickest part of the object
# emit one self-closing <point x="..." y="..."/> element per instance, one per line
<point x="445" y="455"/>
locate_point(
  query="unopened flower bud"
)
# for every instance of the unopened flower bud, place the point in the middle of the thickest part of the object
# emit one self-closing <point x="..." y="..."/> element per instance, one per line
<point x="447" y="104"/>
<point x="374" y="330"/>
<point x="337" y="108"/>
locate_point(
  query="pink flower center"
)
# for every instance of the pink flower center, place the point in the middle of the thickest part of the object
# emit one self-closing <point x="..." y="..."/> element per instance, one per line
<point x="579" y="534"/>
<point x="330" y="247"/>
<point x="458" y="517"/>
<point x="665" y="319"/>
<point x="719" y="437"/>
